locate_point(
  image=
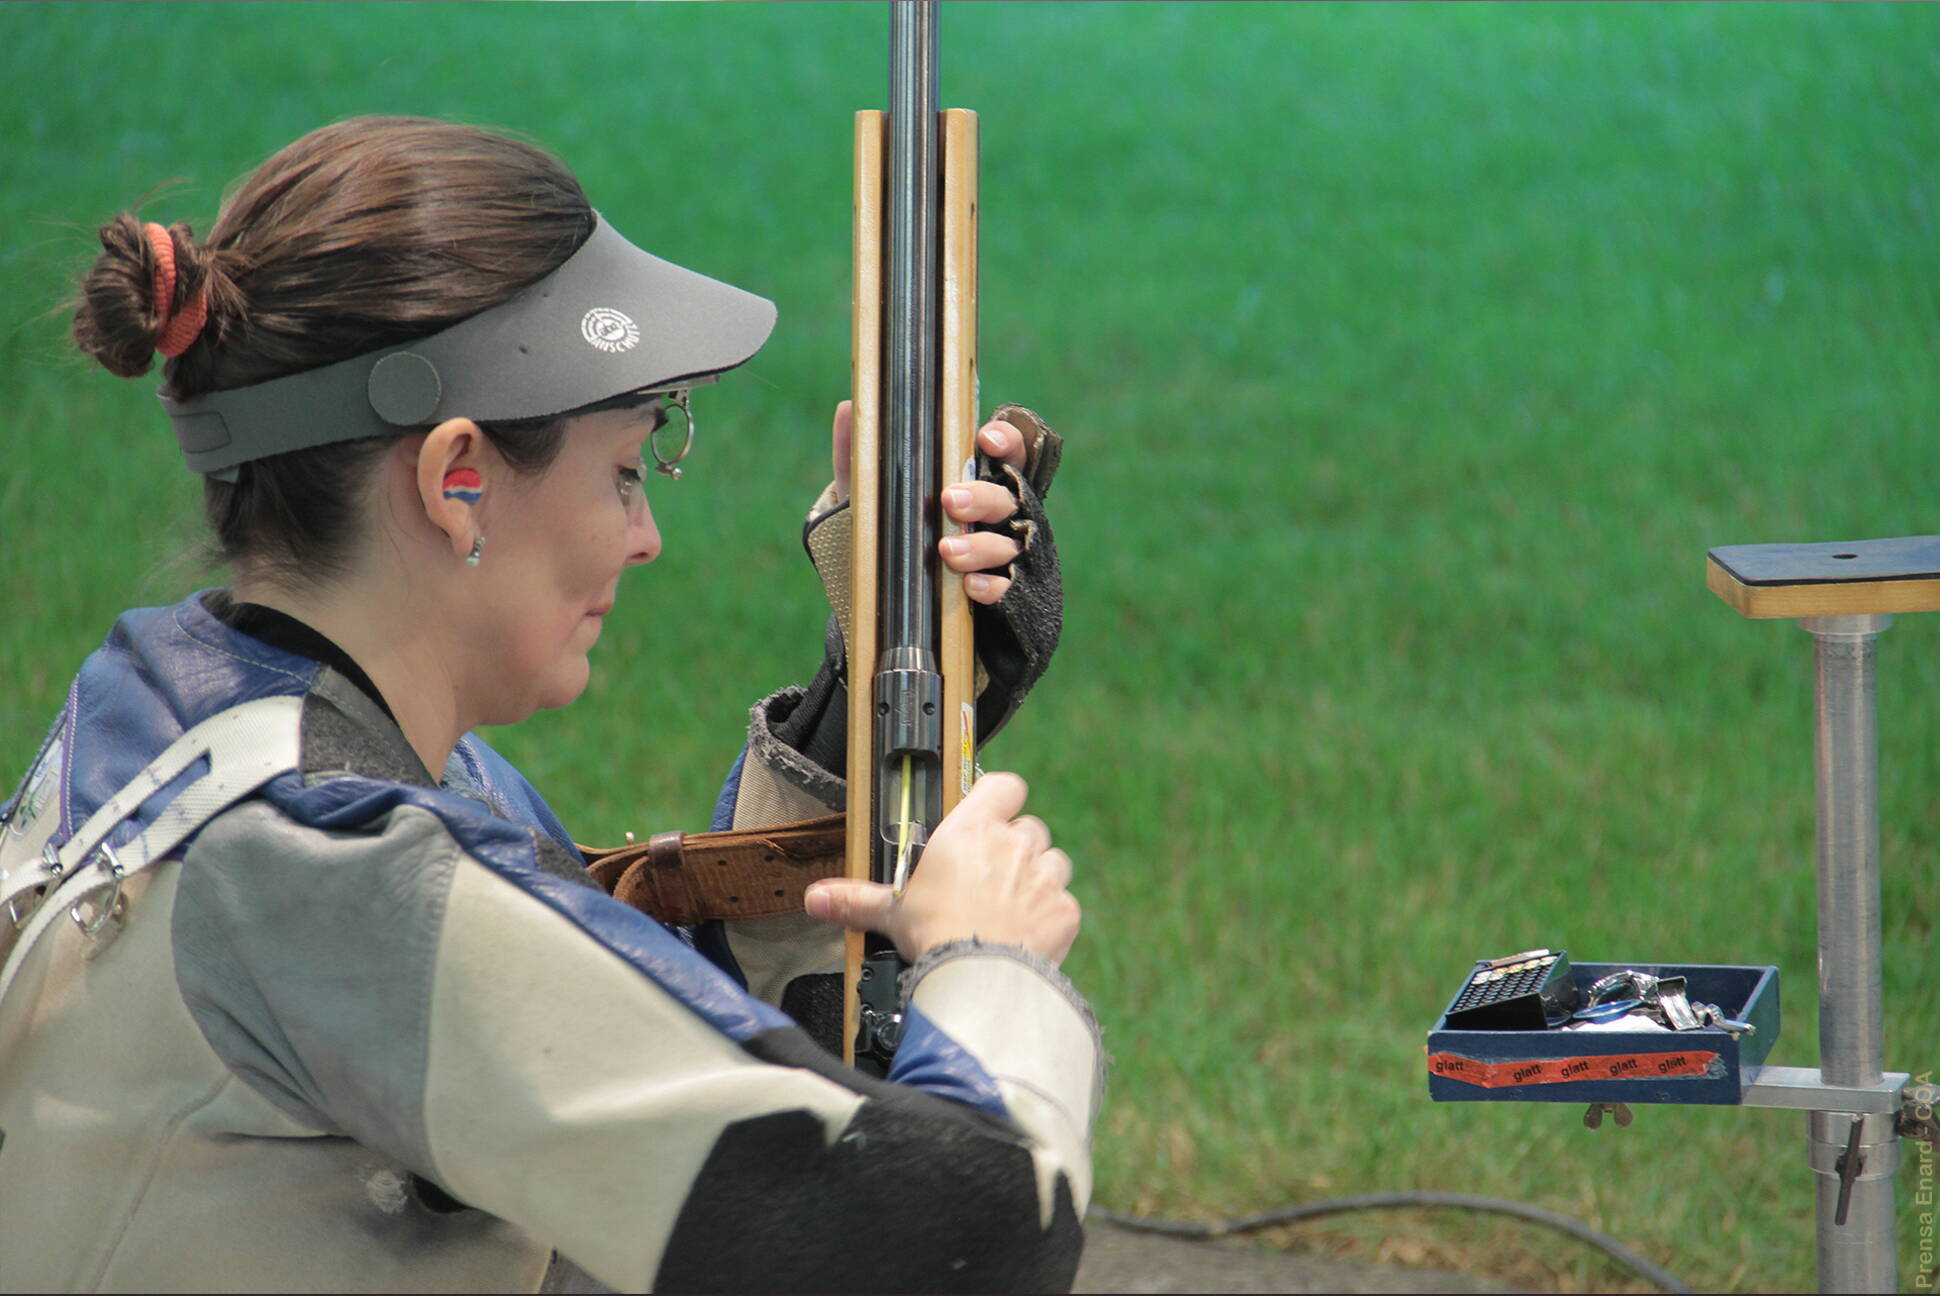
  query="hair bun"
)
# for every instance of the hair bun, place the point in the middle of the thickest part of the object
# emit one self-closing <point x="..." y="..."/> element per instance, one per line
<point x="147" y="292"/>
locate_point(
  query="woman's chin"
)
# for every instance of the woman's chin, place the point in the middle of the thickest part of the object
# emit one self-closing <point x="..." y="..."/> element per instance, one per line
<point x="564" y="686"/>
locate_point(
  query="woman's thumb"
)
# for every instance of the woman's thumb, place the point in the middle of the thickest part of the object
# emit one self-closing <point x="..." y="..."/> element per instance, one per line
<point x="850" y="902"/>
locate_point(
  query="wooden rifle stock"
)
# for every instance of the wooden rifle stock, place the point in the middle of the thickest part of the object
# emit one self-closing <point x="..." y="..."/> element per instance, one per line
<point x="912" y="717"/>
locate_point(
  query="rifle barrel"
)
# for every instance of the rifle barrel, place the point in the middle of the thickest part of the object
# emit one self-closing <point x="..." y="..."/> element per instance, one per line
<point x="908" y="686"/>
<point x="909" y="533"/>
<point x="915" y="315"/>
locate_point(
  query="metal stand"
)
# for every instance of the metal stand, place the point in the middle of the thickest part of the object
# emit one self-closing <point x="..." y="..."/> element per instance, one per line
<point x="1843" y="595"/>
<point x="1853" y="1155"/>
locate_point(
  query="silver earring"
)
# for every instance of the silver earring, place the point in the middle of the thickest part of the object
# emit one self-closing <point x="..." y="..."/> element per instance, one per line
<point x="478" y="551"/>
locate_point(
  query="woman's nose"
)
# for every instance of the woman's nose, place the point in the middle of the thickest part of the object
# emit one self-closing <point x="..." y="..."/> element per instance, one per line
<point x="643" y="537"/>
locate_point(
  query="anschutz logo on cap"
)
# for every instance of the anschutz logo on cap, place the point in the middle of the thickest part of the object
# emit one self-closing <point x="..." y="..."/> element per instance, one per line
<point x="610" y="330"/>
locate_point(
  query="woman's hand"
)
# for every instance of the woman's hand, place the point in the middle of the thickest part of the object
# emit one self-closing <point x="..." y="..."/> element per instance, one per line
<point x="973" y="553"/>
<point x="988" y="874"/>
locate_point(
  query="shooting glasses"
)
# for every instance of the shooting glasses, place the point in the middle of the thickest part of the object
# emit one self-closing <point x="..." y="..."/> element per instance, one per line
<point x="610" y="321"/>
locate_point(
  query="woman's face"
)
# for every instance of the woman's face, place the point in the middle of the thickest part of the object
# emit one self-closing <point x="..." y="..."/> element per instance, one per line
<point x="555" y="545"/>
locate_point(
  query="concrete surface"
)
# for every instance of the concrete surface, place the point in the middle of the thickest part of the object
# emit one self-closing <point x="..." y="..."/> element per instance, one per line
<point x="1119" y="1260"/>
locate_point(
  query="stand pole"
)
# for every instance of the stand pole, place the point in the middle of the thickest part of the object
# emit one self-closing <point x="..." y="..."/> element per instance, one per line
<point x="1853" y="1156"/>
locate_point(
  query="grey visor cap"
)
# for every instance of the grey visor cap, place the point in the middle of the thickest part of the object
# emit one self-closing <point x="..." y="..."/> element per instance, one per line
<point x="610" y="320"/>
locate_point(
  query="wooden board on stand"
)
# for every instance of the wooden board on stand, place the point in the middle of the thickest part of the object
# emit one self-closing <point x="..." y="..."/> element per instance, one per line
<point x="1829" y="578"/>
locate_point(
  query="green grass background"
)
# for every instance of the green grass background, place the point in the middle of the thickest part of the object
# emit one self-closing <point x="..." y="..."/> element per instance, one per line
<point x="1410" y="360"/>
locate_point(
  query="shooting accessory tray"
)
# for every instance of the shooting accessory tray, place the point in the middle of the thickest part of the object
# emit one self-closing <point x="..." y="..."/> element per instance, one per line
<point x="1704" y="1067"/>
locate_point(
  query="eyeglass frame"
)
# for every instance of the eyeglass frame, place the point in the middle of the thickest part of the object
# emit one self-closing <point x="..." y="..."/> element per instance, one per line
<point x="674" y="396"/>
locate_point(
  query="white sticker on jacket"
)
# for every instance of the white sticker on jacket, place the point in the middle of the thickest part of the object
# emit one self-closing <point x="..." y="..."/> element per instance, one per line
<point x="37" y="793"/>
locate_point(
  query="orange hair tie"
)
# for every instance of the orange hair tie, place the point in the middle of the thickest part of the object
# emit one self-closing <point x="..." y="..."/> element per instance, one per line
<point x="181" y="329"/>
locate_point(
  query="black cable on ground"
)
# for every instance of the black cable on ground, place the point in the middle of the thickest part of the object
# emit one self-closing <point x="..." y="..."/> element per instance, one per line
<point x="1379" y="1201"/>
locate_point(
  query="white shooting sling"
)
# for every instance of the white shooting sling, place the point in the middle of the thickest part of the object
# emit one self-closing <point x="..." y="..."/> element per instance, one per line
<point x="245" y="746"/>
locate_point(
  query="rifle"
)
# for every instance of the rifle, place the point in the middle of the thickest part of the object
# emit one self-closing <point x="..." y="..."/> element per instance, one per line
<point x="912" y="727"/>
<point x="912" y="730"/>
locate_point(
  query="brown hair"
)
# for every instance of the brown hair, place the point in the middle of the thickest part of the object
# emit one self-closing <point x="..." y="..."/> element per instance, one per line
<point x="356" y="237"/>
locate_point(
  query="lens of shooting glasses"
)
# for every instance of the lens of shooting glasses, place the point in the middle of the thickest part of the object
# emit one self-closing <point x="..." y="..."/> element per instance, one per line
<point x="675" y="433"/>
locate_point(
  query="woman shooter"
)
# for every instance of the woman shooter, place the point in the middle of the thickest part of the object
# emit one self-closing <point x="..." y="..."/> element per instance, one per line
<point x="307" y="987"/>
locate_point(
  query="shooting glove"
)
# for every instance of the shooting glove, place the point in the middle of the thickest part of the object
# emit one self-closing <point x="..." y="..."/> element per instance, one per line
<point x="1015" y="636"/>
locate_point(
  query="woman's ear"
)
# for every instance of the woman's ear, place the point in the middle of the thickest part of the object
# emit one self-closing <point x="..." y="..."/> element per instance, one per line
<point x="451" y="482"/>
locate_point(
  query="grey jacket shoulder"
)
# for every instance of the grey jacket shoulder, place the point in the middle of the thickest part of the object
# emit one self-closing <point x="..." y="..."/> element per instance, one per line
<point x="305" y="955"/>
<point x="328" y="1020"/>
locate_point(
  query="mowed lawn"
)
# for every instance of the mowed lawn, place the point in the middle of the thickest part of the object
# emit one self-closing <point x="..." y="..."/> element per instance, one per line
<point x="1410" y="359"/>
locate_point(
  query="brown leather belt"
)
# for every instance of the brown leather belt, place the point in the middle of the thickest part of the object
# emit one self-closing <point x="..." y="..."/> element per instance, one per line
<point x="683" y="878"/>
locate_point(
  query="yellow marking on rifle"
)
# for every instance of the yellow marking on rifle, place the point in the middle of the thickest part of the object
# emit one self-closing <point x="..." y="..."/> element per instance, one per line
<point x="902" y="845"/>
